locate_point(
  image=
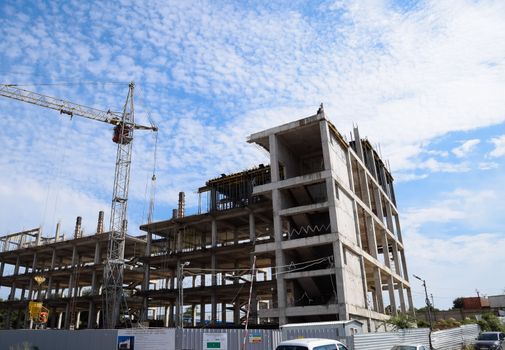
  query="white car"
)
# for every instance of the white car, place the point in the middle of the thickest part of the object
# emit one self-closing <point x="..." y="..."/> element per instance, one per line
<point x="410" y="347"/>
<point x="311" y="344"/>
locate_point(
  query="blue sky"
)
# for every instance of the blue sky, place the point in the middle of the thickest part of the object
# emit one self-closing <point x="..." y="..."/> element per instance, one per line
<point x="424" y="79"/>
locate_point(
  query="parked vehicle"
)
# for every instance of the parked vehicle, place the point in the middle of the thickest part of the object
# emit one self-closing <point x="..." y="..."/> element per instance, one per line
<point x="410" y="347"/>
<point x="490" y="341"/>
<point x="311" y="344"/>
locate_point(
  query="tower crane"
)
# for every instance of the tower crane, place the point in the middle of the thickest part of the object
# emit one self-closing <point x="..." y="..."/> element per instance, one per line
<point x="124" y="126"/>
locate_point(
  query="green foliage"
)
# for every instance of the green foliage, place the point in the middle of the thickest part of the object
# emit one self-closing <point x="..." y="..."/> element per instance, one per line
<point x="425" y="309"/>
<point x="423" y="324"/>
<point x="446" y="324"/>
<point x="457" y="303"/>
<point x="402" y="321"/>
<point x="468" y="320"/>
<point x="490" y="323"/>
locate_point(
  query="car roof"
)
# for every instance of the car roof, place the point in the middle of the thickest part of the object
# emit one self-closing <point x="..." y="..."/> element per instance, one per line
<point x="310" y="341"/>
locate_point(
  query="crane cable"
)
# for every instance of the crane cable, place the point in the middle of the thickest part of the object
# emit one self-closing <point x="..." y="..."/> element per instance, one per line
<point x="153" y="181"/>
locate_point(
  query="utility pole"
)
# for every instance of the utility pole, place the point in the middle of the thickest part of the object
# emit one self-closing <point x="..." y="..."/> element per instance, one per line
<point x="428" y="305"/>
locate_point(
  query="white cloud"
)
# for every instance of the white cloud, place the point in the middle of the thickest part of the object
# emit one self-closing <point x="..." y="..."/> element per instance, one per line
<point x="465" y="148"/>
<point x="499" y="146"/>
<point x="441" y="256"/>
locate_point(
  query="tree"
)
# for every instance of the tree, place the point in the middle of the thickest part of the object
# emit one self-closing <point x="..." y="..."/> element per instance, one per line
<point x="491" y="323"/>
<point x="457" y="303"/>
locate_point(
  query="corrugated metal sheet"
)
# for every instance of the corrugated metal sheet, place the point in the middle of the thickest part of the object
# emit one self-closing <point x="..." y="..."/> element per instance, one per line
<point x="193" y="338"/>
<point x="450" y="339"/>
<point x="385" y="341"/>
<point x="456" y="338"/>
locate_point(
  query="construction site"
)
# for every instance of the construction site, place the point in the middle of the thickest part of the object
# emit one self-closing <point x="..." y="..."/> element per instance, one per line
<point x="313" y="236"/>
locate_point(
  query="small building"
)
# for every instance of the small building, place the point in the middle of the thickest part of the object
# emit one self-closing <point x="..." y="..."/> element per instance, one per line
<point x="475" y="303"/>
<point x="497" y="301"/>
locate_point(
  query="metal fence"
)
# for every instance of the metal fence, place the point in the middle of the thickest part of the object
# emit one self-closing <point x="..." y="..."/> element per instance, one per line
<point x="456" y="338"/>
<point x="386" y="340"/>
<point x="449" y="339"/>
<point x="256" y="339"/>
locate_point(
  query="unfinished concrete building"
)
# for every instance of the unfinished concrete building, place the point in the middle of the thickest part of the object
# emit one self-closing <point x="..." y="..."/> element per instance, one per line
<point x="314" y="236"/>
<point x="320" y="223"/>
<point x="71" y="275"/>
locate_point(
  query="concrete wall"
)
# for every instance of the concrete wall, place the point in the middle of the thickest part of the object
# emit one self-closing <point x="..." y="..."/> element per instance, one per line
<point x="25" y="339"/>
<point x="339" y="162"/>
<point x="96" y="339"/>
<point x="353" y="279"/>
<point x="345" y="217"/>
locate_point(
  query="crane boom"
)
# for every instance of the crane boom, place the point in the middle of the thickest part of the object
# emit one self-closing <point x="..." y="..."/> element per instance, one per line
<point x="124" y="123"/>
<point x="67" y="107"/>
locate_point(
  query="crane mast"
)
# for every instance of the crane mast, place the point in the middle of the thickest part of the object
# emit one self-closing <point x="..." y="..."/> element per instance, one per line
<point x="124" y="125"/>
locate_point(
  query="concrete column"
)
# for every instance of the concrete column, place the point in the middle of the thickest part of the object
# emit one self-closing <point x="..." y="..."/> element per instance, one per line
<point x="252" y="228"/>
<point x="50" y="281"/>
<point x="16" y="272"/>
<point x="357" y="140"/>
<point x="2" y="266"/>
<point x="78" y="320"/>
<point x="34" y="268"/>
<point x="279" y="260"/>
<point x="404" y="265"/>
<point x="379" y="301"/>
<point x="202" y="312"/>
<point x="213" y="298"/>
<point x="365" y="192"/>
<point x="402" y="297"/>
<point x="193" y="315"/>
<point x="385" y="248"/>
<point x="236" y="311"/>
<point x="39" y="236"/>
<point x="178" y="307"/>
<point x="165" y="317"/>
<point x="60" y="319"/>
<point x="213" y="264"/>
<point x="223" y="313"/>
<point x="147" y="278"/>
<point x="91" y="315"/>
<point x="94" y="283"/>
<point x="411" y="302"/>
<point x="396" y="259"/>
<point x="398" y="228"/>
<point x="274" y="158"/>
<point x="392" y="298"/>
<point x="67" y="316"/>
<point x="389" y="217"/>
<point x="379" y="204"/>
<point x="338" y="256"/>
<point x="171" y="318"/>
<point x="71" y="278"/>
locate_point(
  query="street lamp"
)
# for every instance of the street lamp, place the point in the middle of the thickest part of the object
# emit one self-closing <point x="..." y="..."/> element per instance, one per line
<point x="428" y="305"/>
<point x="181" y="292"/>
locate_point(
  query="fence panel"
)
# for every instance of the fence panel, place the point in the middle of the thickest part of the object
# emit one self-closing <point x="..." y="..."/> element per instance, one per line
<point x="386" y="340"/>
<point x="256" y="339"/>
<point x="455" y="338"/>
